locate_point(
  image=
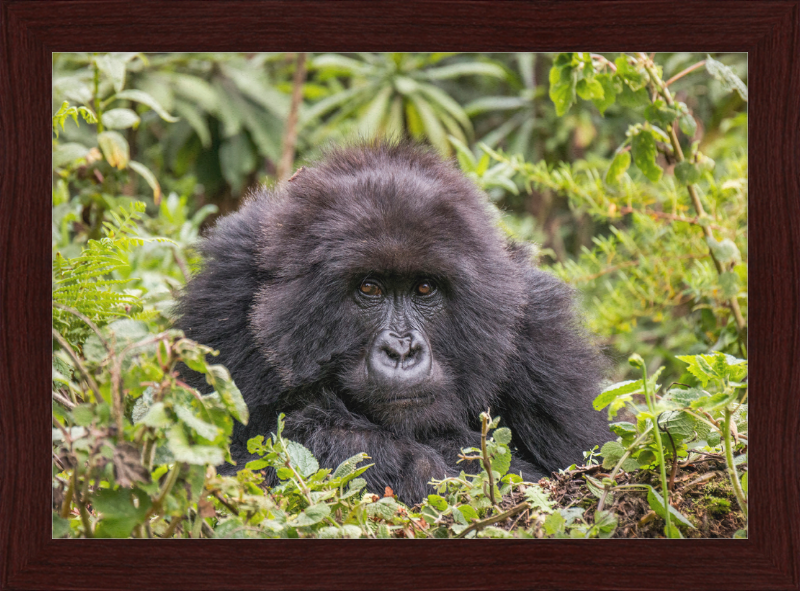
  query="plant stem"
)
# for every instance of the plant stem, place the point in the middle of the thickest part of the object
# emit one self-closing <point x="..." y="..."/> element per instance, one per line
<point x="683" y="73"/>
<point x="476" y="525"/>
<point x="78" y="363"/>
<point x="618" y="467"/>
<point x="97" y="105"/>
<point x="734" y="477"/>
<point x="487" y="464"/>
<point x="659" y="451"/>
<point x="290" y="133"/>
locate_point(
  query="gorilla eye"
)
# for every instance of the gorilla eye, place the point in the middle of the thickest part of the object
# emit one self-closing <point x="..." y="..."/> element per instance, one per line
<point x="370" y="288"/>
<point x="424" y="288"/>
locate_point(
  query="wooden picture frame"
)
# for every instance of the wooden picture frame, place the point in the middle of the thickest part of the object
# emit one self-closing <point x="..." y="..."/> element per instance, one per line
<point x="768" y="30"/>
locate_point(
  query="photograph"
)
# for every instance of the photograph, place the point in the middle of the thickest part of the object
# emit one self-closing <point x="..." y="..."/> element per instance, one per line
<point x="410" y="295"/>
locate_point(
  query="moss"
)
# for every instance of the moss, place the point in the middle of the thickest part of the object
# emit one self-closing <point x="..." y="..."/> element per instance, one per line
<point x="716" y="505"/>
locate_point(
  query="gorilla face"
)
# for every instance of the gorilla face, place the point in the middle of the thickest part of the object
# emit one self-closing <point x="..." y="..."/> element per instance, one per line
<point x="374" y="301"/>
<point x="368" y="284"/>
<point x="397" y="379"/>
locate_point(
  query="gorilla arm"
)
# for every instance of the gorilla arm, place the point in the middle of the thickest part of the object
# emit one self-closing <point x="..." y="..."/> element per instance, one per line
<point x="547" y="399"/>
<point x="333" y="434"/>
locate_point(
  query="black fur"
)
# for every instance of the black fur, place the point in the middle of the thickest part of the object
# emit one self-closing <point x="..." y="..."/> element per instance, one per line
<point x="277" y="297"/>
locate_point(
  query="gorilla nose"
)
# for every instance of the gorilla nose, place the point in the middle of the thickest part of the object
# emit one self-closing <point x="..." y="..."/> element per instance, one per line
<point x="399" y="359"/>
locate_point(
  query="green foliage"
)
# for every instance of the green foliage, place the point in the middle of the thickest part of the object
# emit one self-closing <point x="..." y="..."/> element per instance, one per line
<point x="393" y="95"/>
<point x="157" y="138"/>
<point x="707" y="419"/>
<point x="669" y="268"/>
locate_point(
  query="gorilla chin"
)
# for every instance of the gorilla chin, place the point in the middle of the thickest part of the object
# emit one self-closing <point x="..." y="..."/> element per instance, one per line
<point x="373" y="300"/>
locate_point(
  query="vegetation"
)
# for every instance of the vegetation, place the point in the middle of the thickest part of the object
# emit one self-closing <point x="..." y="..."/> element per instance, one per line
<point x="629" y="171"/>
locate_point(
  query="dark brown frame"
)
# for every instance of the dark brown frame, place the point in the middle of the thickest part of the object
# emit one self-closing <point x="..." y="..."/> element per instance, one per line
<point x="768" y="30"/>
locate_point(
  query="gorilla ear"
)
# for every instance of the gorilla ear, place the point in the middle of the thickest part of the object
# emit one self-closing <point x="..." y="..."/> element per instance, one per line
<point x="296" y="174"/>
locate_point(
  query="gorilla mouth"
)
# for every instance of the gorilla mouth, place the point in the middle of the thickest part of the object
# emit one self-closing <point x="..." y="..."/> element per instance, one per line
<point x="412" y="400"/>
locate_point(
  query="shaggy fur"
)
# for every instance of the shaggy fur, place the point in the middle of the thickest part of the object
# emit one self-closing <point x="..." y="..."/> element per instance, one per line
<point x="277" y="298"/>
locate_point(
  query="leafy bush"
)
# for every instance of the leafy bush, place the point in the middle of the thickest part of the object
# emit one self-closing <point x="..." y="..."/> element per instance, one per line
<point x="664" y="270"/>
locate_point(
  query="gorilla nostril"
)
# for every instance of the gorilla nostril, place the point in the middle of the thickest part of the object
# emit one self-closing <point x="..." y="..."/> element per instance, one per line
<point x="391" y="353"/>
<point x="399" y="359"/>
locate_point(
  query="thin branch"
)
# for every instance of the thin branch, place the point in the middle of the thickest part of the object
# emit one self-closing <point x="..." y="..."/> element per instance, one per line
<point x="477" y="525"/>
<point x="63" y="401"/>
<point x="78" y="363"/>
<point x="669" y="216"/>
<point x="680" y="75"/>
<point x="85" y="318"/>
<point x="290" y="132"/>
<point x="487" y="465"/>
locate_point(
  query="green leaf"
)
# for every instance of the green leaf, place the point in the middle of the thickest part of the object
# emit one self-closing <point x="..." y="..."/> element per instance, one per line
<point x="115" y="149"/>
<point x="729" y="282"/>
<point x="539" y="498"/>
<point x="437" y="502"/>
<point x="612" y="452"/>
<point x="725" y="75"/>
<point x="632" y="98"/>
<point x="119" y="515"/>
<point x="554" y="523"/>
<point x="686" y="173"/>
<point x="256" y="465"/>
<point x="83" y="414"/>
<point x="744" y="482"/>
<point x="149" y="177"/>
<point x="614" y="391"/>
<point x="680" y="425"/>
<point x="60" y="526"/>
<point x="199" y="426"/>
<point x="609" y="93"/>
<point x="590" y="89"/>
<point x="656" y="502"/>
<point x="618" y="167"/>
<point x="672" y="531"/>
<point x="605" y="522"/>
<point x="120" y="119"/>
<point x="178" y="444"/>
<point x="502" y="461"/>
<point x="464" y="69"/>
<point x="630" y="73"/>
<point x="386" y="507"/>
<point x="658" y="113"/>
<point x="69" y="152"/>
<point x="349" y="465"/>
<point x="644" y="151"/>
<point x="313" y="514"/>
<point x="469" y="513"/>
<point x="687" y="125"/>
<point x="502" y="435"/>
<point x="623" y="429"/>
<point x="375" y="113"/>
<point x="562" y="88"/>
<point x="142" y="97"/>
<point x="302" y="459"/>
<point x="337" y="64"/>
<point x="725" y="251"/>
<point x="684" y="397"/>
<point x="156" y="416"/>
<point x="231" y="397"/>
<point x="112" y="66"/>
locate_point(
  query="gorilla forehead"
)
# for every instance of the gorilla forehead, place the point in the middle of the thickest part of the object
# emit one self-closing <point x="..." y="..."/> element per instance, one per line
<point x="388" y="208"/>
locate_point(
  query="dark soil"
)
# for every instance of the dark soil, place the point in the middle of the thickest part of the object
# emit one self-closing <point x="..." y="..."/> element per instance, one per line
<point x="701" y="492"/>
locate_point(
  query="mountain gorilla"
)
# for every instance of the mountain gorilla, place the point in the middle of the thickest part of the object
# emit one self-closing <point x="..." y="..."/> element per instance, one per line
<point x="373" y="300"/>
